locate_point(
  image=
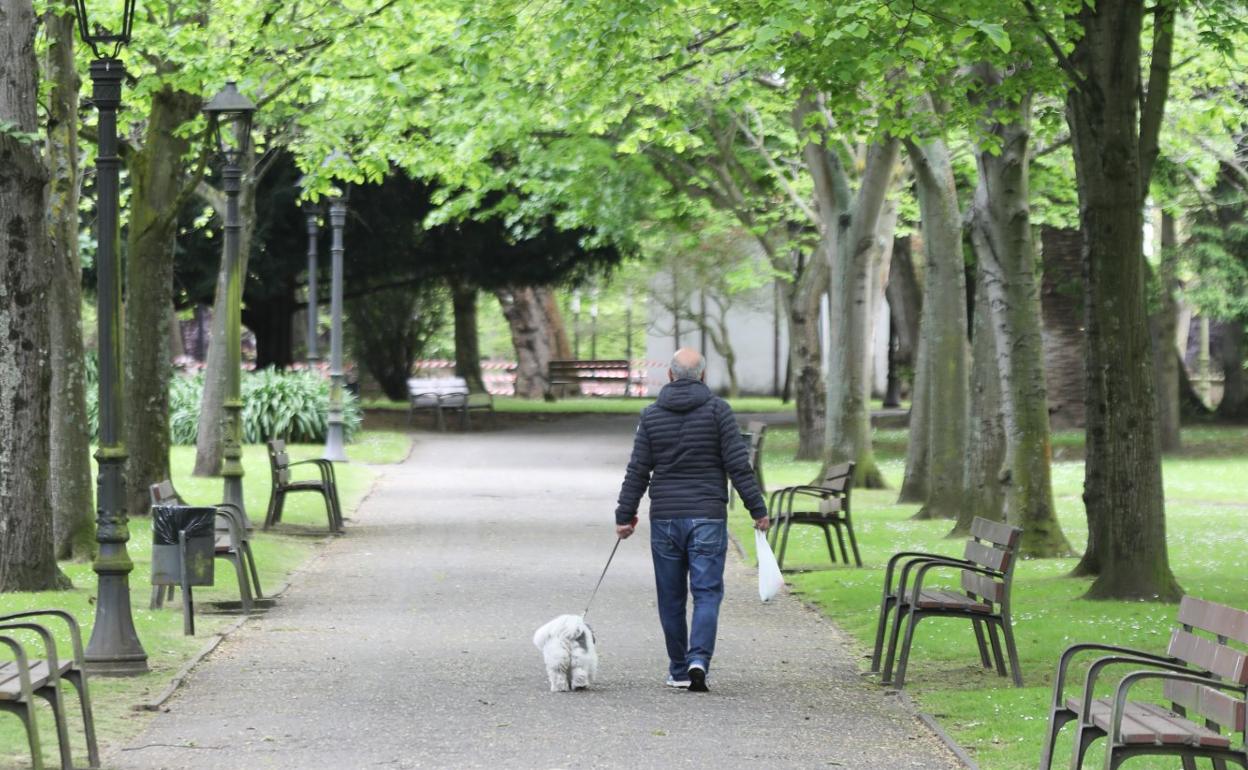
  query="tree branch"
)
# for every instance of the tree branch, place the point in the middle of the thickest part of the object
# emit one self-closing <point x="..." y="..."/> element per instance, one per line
<point x="1153" y="103"/>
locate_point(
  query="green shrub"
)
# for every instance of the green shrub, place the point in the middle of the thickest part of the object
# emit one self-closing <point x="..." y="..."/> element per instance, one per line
<point x="290" y="405"/>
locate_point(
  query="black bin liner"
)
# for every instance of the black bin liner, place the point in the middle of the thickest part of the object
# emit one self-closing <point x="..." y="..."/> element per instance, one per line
<point x="168" y="520"/>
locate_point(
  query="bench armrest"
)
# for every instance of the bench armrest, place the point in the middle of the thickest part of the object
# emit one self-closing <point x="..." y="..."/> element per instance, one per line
<point x="927" y="565"/>
<point x="325" y="467"/>
<point x="1133" y="678"/>
<point x="909" y="555"/>
<point x="1094" y="672"/>
<point x="49" y="646"/>
<point x="23" y="666"/>
<point x="1068" y="656"/>
<point x="75" y="631"/>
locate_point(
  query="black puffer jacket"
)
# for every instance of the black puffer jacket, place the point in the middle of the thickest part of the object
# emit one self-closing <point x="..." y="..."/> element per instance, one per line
<point x="687" y="446"/>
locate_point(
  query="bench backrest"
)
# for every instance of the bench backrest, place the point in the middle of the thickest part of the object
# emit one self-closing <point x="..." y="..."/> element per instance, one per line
<point x="1211" y="652"/>
<point x="994" y="545"/>
<point x="437" y="386"/>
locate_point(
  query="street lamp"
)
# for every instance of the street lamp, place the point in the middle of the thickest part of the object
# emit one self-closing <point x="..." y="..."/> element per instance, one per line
<point x="335" y="440"/>
<point x="576" y="324"/>
<point x="229" y="115"/>
<point x="628" y="339"/>
<point x="114" y="648"/>
<point x="312" y="213"/>
<point x="593" y="324"/>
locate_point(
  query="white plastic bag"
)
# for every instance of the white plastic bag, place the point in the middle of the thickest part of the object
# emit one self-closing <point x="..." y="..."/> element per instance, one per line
<point x="769" y="579"/>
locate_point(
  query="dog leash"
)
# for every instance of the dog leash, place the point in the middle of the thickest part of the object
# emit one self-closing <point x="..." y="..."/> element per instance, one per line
<point x="618" y="540"/>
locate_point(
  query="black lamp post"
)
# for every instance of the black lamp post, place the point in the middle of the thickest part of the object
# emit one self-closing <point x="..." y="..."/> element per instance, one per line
<point x="312" y="213"/>
<point x="114" y="648"/>
<point x="229" y="115"/>
<point x="335" y="440"/>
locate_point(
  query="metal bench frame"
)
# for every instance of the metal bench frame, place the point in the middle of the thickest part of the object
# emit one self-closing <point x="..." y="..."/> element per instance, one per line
<point x="987" y="573"/>
<point x="42" y="677"/>
<point x="1199" y="674"/>
<point x="282" y="485"/>
<point x="833" y="494"/>
<point x="446" y="394"/>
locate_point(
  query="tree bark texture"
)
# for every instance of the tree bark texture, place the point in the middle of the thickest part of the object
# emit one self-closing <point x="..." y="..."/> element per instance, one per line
<point x="208" y="443"/>
<point x="914" y="484"/>
<point x="801" y="306"/>
<point x="560" y="342"/>
<point x="1114" y="143"/>
<point x="881" y="265"/>
<point x="1001" y="234"/>
<point x="27" y="556"/>
<point x="467" y="342"/>
<point x="944" y="327"/>
<point x="522" y="307"/>
<point x="904" y="292"/>
<point x="852" y="229"/>
<point x="73" y="506"/>
<point x="985" y="445"/>
<point x="1228" y="351"/>
<point x="157" y="177"/>
<point x="1061" y="302"/>
<point x="1162" y="326"/>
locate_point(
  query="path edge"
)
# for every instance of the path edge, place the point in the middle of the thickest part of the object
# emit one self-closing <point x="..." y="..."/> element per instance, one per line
<point x="927" y="720"/>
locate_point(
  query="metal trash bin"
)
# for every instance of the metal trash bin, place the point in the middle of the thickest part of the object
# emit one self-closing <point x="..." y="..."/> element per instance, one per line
<point x="183" y="548"/>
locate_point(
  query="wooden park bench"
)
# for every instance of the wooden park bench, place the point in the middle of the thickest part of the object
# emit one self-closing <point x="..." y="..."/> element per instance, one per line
<point x="25" y="677"/>
<point x="1204" y="682"/>
<point x="233" y="543"/>
<point x="831" y="511"/>
<point x="573" y="373"/>
<point x="446" y="394"/>
<point x="986" y="571"/>
<point x="283" y="484"/>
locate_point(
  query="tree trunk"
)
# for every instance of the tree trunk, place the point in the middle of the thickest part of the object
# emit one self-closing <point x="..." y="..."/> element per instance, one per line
<point x="985" y="446"/>
<point x="467" y="343"/>
<point x="560" y="343"/>
<point x="1061" y="301"/>
<point x="208" y="444"/>
<point x="522" y="307"/>
<point x="904" y="292"/>
<point x="856" y="237"/>
<point x="1162" y="326"/>
<point x="915" y="486"/>
<point x="1229" y="352"/>
<point x="944" y="328"/>
<point x="157" y="174"/>
<point x="72" y="495"/>
<point x="881" y="264"/>
<point x="717" y="330"/>
<point x="1001" y="232"/>
<point x="1114" y="146"/>
<point x="27" y="557"/>
<point x="806" y="368"/>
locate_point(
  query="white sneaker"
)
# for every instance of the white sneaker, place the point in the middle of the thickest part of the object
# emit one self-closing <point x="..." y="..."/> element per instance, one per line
<point x="678" y="683"/>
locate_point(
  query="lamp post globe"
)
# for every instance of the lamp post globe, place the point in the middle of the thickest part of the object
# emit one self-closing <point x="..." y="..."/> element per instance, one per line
<point x="335" y="437"/>
<point x="230" y="117"/>
<point x="114" y="648"/>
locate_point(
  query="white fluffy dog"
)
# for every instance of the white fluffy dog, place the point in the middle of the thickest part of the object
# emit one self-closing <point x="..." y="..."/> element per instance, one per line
<point x="567" y="646"/>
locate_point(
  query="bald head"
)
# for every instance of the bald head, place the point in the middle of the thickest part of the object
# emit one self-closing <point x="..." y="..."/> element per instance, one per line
<point x="687" y="364"/>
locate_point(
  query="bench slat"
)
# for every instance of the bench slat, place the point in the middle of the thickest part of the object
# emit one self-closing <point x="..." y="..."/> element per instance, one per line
<point x="996" y="532"/>
<point x="1215" y="705"/>
<point x="11" y="683"/>
<point x="940" y="598"/>
<point x="1150" y="724"/>
<point x="1223" y="661"/>
<point x="982" y="585"/>
<point x="986" y="556"/>
<point x="1215" y="618"/>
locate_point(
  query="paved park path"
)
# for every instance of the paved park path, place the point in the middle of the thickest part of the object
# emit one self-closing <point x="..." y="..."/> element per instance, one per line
<point x="407" y="643"/>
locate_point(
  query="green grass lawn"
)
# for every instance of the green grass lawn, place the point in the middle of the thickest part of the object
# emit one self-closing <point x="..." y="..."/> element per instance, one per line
<point x="1207" y="525"/>
<point x="160" y="631"/>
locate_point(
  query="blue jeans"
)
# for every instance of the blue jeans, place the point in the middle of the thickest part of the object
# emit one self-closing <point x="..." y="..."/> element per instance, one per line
<point x="689" y="558"/>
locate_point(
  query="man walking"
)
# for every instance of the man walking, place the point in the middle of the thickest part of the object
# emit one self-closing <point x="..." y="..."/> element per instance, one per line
<point x="686" y="448"/>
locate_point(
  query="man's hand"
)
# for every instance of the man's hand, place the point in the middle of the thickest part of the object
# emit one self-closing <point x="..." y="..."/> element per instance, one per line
<point x="763" y="524"/>
<point x="624" y="530"/>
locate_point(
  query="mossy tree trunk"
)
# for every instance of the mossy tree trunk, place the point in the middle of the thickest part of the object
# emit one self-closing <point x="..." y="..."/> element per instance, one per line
<point x="27" y="556"/>
<point x="944" y="328"/>
<point x="1114" y="139"/>
<point x="73" y="506"/>
<point x="467" y="343"/>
